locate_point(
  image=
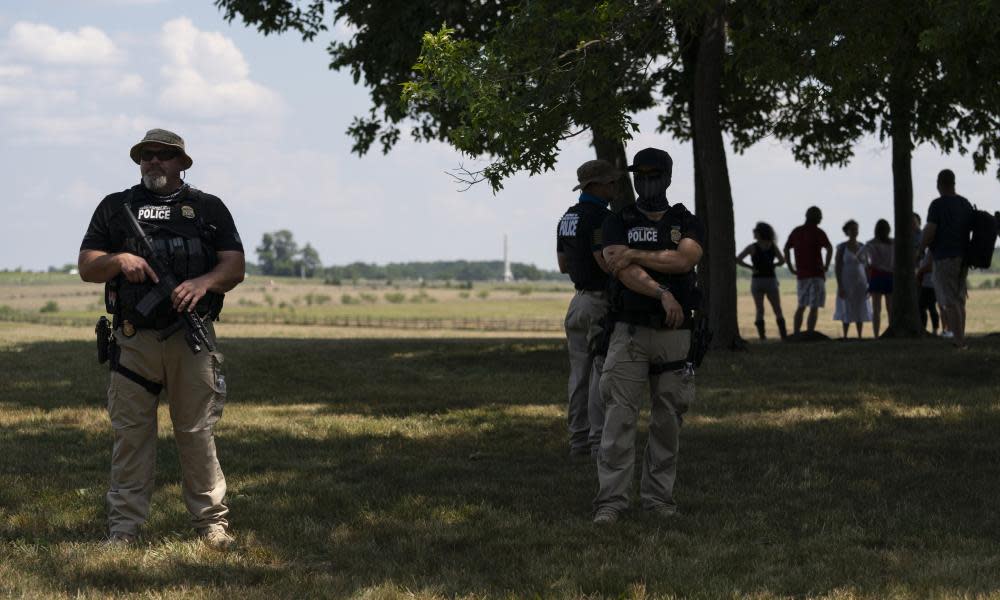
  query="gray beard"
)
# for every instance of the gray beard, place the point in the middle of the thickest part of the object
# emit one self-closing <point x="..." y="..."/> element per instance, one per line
<point x="155" y="183"/>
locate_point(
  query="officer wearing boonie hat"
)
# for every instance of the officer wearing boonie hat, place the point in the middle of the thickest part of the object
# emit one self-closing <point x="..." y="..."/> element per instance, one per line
<point x="652" y="249"/>
<point x="194" y="234"/>
<point x="578" y="250"/>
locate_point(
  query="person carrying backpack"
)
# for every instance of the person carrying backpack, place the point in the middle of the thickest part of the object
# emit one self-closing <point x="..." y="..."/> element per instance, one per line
<point x="949" y="222"/>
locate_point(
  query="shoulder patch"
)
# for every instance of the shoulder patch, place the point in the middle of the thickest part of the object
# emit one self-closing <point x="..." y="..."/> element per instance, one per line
<point x="597" y="238"/>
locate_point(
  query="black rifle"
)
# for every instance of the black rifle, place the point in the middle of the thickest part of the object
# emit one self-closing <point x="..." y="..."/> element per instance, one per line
<point x="196" y="335"/>
<point x="701" y="338"/>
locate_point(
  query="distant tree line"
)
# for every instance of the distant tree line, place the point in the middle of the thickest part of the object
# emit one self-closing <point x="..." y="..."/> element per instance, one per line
<point x="279" y="255"/>
<point x="455" y="270"/>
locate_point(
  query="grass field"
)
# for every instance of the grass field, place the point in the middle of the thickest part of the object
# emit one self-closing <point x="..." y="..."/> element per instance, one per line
<point x="515" y="307"/>
<point x="432" y="467"/>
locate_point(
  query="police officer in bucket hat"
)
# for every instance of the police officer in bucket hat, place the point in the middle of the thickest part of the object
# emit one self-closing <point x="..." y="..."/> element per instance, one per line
<point x="192" y="236"/>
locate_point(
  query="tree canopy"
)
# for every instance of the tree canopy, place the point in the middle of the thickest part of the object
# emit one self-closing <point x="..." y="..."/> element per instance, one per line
<point x="909" y="73"/>
<point x="279" y="254"/>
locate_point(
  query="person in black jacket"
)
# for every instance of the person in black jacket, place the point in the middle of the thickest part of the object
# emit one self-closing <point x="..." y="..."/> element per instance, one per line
<point x="578" y="250"/>
<point x="652" y="248"/>
<point x="194" y="235"/>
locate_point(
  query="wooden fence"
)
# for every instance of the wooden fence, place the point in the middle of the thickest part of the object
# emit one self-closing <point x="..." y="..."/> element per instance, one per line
<point x="361" y="321"/>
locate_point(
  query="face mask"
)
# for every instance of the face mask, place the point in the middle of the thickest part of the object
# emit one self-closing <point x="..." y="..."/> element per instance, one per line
<point x="652" y="191"/>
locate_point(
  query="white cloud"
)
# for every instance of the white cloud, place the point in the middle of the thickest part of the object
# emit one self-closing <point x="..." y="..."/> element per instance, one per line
<point x="57" y="130"/>
<point x="14" y="71"/>
<point x="46" y="44"/>
<point x="129" y="85"/>
<point x="207" y="76"/>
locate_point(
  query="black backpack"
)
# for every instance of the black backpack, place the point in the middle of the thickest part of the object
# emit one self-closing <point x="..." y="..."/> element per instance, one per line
<point x="979" y="253"/>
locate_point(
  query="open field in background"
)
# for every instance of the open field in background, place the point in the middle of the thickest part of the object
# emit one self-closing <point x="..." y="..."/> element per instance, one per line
<point x="516" y="308"/>
<point x="437" y="468"/>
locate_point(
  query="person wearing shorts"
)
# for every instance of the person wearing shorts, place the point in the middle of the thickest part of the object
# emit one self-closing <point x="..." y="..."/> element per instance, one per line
<point x="949" y="222"/>
<point x="764" y="257"/>
<point x="804" y="251"/>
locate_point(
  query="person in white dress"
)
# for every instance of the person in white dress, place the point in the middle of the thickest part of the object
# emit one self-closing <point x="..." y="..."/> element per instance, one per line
<point x="853" y="304"/>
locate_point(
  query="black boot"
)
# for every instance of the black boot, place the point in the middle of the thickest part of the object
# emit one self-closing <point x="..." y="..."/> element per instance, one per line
<point x="760" y="329"/>
<point x="781" y="329"/>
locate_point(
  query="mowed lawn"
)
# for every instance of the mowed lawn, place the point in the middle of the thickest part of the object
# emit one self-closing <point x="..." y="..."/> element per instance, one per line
<point x="438" y="468"/>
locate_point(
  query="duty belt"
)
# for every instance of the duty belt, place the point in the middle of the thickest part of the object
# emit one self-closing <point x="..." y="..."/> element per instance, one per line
<point x="651" y="320"/>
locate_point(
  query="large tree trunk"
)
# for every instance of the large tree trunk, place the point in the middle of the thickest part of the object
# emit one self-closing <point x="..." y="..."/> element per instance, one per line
<point x="714" y="177"/>
<point x="905" y="316"/>
<point x="689" y="40"/>
<point x="613" y="151"/>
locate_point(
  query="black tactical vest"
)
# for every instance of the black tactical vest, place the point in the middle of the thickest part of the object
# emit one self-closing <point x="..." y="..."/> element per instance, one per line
<point x="666" y="234"/>
<point x="576" y="239"/>
<point x="183" y="241"/>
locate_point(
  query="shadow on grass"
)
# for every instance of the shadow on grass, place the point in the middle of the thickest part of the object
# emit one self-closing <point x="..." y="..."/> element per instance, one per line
<point x="880" y="479"/>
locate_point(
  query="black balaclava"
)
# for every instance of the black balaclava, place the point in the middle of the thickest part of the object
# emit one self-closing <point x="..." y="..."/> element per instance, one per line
<point x="651" y="171"/>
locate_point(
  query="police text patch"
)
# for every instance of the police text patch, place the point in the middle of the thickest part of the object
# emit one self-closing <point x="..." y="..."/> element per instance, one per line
<point x="567" y="225"/>
<point x="642" y="234"/>
<point x="155" y="213"/>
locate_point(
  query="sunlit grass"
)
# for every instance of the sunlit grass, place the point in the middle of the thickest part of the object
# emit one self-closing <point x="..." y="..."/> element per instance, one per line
<point x="437" y="468"/>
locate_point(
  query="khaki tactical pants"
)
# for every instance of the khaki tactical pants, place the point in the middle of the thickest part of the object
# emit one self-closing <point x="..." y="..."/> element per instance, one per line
<point x="624" y="383"/>
<point x="585" y="414"/>
<point x="196" y="392"/>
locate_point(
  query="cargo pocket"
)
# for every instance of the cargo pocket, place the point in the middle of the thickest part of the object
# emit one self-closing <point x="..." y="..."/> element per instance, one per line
<point x="218" y="389"/>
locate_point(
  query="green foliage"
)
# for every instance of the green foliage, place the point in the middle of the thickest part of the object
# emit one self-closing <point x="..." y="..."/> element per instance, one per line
<point x="317" y="299"/>
<point x="309" y="263"/>
<point x="458" y="270"/>
<point x="849" y="68"/>
<point x="278" y="254"/>
<point x="368" y="298"/>
<point x="554" y="69"/>
<point x="66" y="268"/>
<point x="421" y="298"/>
<point x="384" y="44"/>
<point x="349" y="299"/>
<point x="49" y="307"/>
<point x="483" y="294"/>
<point x="394" y="297"/>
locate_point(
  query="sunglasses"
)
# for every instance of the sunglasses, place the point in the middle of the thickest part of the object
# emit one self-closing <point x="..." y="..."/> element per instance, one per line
<point x="163" y="155"/>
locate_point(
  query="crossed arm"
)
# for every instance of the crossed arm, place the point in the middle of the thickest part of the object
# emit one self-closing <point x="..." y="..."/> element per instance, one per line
<point x="627" y="264"/>
<point x="97" y="266"/>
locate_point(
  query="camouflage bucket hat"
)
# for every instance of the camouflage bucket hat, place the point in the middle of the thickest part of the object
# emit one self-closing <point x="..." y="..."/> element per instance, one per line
<point x="596" y="171"/>
<point x="164" y="138"/>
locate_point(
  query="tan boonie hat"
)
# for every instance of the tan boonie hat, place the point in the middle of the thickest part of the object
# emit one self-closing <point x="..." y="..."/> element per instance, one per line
<point x="596" y="171"/>
<point x="165" y="138"/>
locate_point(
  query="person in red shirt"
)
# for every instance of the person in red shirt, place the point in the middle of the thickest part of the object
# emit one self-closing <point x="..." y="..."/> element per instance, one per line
<point x="809" y="266"/>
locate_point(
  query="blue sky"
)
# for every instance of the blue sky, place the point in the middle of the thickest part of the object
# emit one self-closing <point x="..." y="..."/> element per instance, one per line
<point x="264" y="120"/>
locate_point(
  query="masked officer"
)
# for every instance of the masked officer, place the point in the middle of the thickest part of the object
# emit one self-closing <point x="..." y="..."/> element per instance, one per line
<point x="652" y="249"/>
<point x="578" y="249"/>
<point x="194" y="234"/>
